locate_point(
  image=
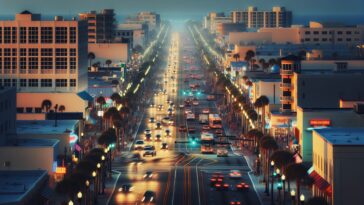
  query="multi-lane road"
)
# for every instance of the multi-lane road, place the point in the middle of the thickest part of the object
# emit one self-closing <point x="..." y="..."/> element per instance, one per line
<point x="181" y="174"/>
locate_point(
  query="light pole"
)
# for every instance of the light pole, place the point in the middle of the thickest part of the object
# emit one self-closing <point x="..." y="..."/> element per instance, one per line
<point x="302" y="199"/>
<point x="103" y="174"/>
<point x="283" y="178"/>
<point x="79" y="197"/>
<point x="98" y="176"/>
<point x="293" y="197"/>
<point x="70" y="202"/>
<point x="95" y="186"/>
<point x="87" y="195"/>
<point x="272" y="189"/>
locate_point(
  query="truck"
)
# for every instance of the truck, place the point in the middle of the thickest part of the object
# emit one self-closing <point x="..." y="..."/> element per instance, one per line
<point x="203" y="118"/>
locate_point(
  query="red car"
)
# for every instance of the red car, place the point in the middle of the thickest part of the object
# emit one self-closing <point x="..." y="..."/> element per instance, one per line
<point x="182" y="128"/>
<point x="191" y="130"/>
<point x="242" y="187"/>
<point x="235" y="203"/>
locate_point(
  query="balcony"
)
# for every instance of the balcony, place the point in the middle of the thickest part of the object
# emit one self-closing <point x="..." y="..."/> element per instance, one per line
<point x="61" y="71"/>
<point x="46" y="71"/>
<point x="286" y="72"/>
<point x="32" y="71"/>
<point x="285" y="85"/>
<point x="286" y="98"/>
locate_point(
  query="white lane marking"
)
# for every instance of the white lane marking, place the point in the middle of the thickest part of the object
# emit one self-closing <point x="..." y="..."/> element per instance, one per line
<point x="198" y="185"/>
<point x="114" y="187"/>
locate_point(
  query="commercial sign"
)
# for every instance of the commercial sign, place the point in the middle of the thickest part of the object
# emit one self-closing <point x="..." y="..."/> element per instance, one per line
<point x="320" y="122"/>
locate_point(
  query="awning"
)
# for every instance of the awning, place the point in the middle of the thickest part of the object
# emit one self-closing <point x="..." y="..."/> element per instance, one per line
<point x="321" y="183"/>
<point x="85" y="96"/>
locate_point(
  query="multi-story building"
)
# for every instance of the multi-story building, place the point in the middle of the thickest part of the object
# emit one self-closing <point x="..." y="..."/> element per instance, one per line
<point x="7" y="113"/>
<point x="133" y="37"/>
<point x="101" y="26"/>
<point x="252" y="18"/>
<point x="44" y="59"/>
<point x="338" y="159"/>
<point x="151" y="18"/>
<point x="210" y="19"/>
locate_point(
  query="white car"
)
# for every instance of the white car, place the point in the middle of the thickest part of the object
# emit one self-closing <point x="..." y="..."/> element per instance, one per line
<point x="222" y="152"/>
<point x="139" y="144"/>
<point x="190" y="116"/>
<point x="235" y="174"/>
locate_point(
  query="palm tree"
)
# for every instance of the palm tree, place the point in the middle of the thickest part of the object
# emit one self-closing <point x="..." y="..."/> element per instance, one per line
<point x="116" y="98"/>
<point x="101" y="101"/>
<point x="316" y="200"/>
<point x="91" y="56"/>
<point x="108" y="63"/>
<point x="46" y="105"/>
<point x="296" y="172"/>
<point x="256" y="135"/>
<point x="249" y="56"/>
<point x="267" y="144"/>
<point x="61" y="108"/>
<point x="118" y="125"/>
<point x="107" y="138"/>
<point x="258" y="104"/>
<point x="109" y="115"/>
<point x="272" y="61"/>
<point x="236" y="56"/>
<point x="264" y="102"/>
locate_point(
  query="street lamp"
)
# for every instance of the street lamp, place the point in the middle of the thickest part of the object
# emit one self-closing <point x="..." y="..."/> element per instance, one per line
<point x="283" y="178"/>
<point x="70" y="202"/>
<point x="79" y="197"/>
<point x="272" y="189"/>
<point x="95" y="186"/>
<point x="293" y="196"/>
<point x="100" y="113"/>
<point x="302" y="199"/>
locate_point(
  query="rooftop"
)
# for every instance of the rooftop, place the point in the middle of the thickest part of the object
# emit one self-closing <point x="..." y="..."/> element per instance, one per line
<point x="32" y="142"/>
<point x="342" y="136"/>
<point x="16" y="185"/>
<point x="44" y="126"/>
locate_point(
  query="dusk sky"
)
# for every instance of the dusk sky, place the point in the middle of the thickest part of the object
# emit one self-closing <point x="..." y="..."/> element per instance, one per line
<point x="181" y="8"/>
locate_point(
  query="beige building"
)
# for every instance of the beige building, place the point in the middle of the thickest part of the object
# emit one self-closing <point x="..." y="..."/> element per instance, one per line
<point x="338" y="159"/>
<point x="116" y="52"/>
<point x="101" y="25"/>
<point x="252" y="18"/>
<point x="151" y="18"/>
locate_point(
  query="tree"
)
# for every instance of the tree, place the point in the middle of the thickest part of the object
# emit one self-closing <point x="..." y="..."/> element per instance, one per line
<point x="264" y="102"/>
<point x="249" y="57"/>
<point x="107" y="138"/>
<point x="101" y="101"/>
<point x="46" y="105"/>
<point x="236" y="56"/>
<point x="282" y="158"/>
<point x="272" y="62"/>
<point x="91" y="56"/>
<point x="116" y="98"/>
<point x="296" y="172"/>
<point x="256" y="135"/>
<point x="267" y="145"/>
<point x="61" y="108"/>
<point x="108" y="62"/>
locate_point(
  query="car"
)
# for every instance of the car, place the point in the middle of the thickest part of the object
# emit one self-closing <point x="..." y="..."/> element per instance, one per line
<point x="160" y="107"/>
<point x="148" y="137"/>
<point x="206" y="111"/>
<point x="191" y="130"/>
<point x="234" y="202"/>
<point x="222" y="152"/>
<point x="149" y="150"/>
<point x="139" y="144"/>
<point x="157" y="137"/>
<point x="187" y="111"/>
<point x="182" y="128"/>
<point x="205" y="128"/>
<point x="164" y="146"/>
<point x="147" y="131"/>
<point x="158" y="125"/>
<point x="235" y="174"/>
<point x="242" y="186"/>
<point x="195" y="102"/>
<point x="219" y="131"/>
<point x="210" y="97"/>
<point x="151" y="120"/>
<point x="126" y="188"/>
<point x="168" y="132"/>
<point x="190" y="116"/>
<point x="148" y="174"/>
<point x="149" y="196"/>
<point x="181" y="106"/>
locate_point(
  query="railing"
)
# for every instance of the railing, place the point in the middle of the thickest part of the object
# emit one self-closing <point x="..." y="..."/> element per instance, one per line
<point x="286" y="98"/>
<point x="285" y="85"/>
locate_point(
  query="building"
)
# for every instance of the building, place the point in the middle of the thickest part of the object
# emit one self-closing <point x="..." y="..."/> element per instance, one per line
<point x="116" y="52"/>
<point x="267" y="87"/>
<point x="133" y="37"/>
<point x="338" y="159"/>
<point x="7" y="113"/>
<point x="217" y="24"/>
<point x="252" y="18"/>
<point x="43" y="56"/>
<point x="101" y="25"/>
<point x="309" y="119"/>
<point x="209" y="20"/>
<point x="151" y="18"/>
<point x="23" y="187"/>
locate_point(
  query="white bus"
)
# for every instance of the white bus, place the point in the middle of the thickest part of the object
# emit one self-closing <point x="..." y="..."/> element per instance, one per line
<point x="207" y="143"/>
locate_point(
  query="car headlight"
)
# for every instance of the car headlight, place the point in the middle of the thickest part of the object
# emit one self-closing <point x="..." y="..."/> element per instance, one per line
<point x="143" y="199"/>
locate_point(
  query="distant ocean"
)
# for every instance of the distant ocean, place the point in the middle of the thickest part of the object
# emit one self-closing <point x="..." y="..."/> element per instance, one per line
<point x="297" y="19"/>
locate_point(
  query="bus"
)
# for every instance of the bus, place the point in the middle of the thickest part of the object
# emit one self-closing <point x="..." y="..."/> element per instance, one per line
<point x="215" y="121"/>
<point x="207" y="143"/>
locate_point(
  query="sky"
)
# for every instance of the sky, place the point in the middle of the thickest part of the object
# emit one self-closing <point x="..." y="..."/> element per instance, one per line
<point x="180" y="8"/>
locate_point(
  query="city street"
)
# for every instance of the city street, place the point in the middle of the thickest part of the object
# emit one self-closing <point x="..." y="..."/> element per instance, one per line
<point x="180" y="174"/>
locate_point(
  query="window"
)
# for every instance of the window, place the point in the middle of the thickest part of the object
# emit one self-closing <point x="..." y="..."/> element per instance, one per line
<point x="7" y="82"/>
<point x="324" y="39"/>
<point x="46" y="63"/>
<point x="61" y="63"/>
<point x="46" y="35"/>
<point x="14" y="52"/>
<point x="46" y="82"/>
<point x="33" y="35"/>
<point x="73" y="64"/>
<point x="47" y="52"/>
<point x="13" y="35"/>
<point x="315" y="39"/>
<point x="1" y="35"/>
<point x="61" y="82"/>
<point x="7" y="63"/>
<point x="33" y="63"/>
<point x="61" y="52"/>
<point x="14" y="81"/>
<point x="23" y="63"/>
<point x="287" y="106"/>
<point x="7" y="52"/>
<point x="23" y="52"/>
<point x="324" y="32"/>
<point x="61" y="34"/>
<point x="23" y="35"/>
<point x="33" y="52"/>
<point x="307" y="39"/>
<point x="348" y="32"/>
<point x="348" y="39"/>
<point x="7" y="34"/>
<point x="33" y="83"/>
<point x="72" y="52"/>
<point x="339" y="32"/>
<point x="316" y="32"/>
<point x="307" y="32"/>
<point x="73" y="35"/>
<point x="72" y="82"/>
<point x="13" y="64"/>
<point x="23" y="82"/>
<point x="339" y="39"/>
